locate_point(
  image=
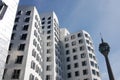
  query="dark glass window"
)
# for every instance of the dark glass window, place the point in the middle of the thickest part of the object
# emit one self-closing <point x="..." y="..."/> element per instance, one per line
<point x="28" y="12"/>
<point x="16" y="74"/>
<point x="84" y="63"/>
<point x="43" y="22"/>
<point x="93" y="72"/>
<point x="15" y="27"/>
<point x="85" y="72"/>
<point x="19" y="12"/>
<point x="76" y="65"/>
<point x="66" y="45"/>
<point x="69" y="75"/>
<point x="48" y="77"/>
<point x="73" y="43"/>
<point x="31" y="77"/>
<point x="27" y="19"/>
<point x="49" y="18"/>
<point x="25" y="27"/>
<point x="19" y="59"/>
<point x="49" y="22"/>
<point x="3" y="8"/>
<point x="5" y="70"/>
<point x="83" y="55"/>
<point x="77" y="73"/>
<point x="68" y="67"/>
<point x="67" y="52"/>
<point x="92" y="63"/>
<point x="49" y="31"/>
<point x="48" y="68"/>
<point x="23" y="37"/>
<point x="7" y="59"/>
<point x="74" y="50"/>
<point x="49" y="27"/>
<point x="80" y="41"/>
<point x="17" y="19"/>
<point x="32" y="64"/>
<point x="68" y="59"/>
<point x="21" y="47"/>
<point x="10" y="46"/>
<point x="81" y="48"/>
<point x="75" y="57"/>
<point x="43" y="18"/>
<point x="73" y="37"/>
<point x="13" y="36"/>
<point x="79" y="34"/>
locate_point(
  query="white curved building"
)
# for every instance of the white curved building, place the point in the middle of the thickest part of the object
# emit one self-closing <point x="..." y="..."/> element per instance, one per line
<point x="24" y="60"/>
<point x="8" y="10"/>
<point x="80" y="60"/>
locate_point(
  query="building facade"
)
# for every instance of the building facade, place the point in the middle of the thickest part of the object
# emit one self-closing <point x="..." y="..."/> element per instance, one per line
<point x="53" y="57"/>
<point x="8" y="10"/>
<point x="80" y="60"/>
<point x="24" y="60"/>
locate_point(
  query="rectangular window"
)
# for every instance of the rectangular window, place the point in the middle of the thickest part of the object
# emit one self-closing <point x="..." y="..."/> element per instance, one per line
<point x="23" y="37"/>
<point x="10" y="46"/>
<point x="16" y="74"/>
<point x="66" y="39"/>
<point x="83" y="55"/>
<point x="85" y="72"/>
<point x="74" y="50"/>
<point x="82" y="48"/>
<point x="3" y="8"/>
<point x="68" y="67"/>
<point x="31" y="77"/>
<point x="17" y="19"/>
<point x="7" y="59"/>
<point x="32" y="64"/>
<point x="80" y="41"/>
<point x="84" y="63"/>
<point x="48" y="67"/>
<point x="28" y="12"/>
<point x="12" y="36"/>
<point x="76" y="65"/>
<point x="5" y="70"/>
<point x="21" y="47"/>
<point x="79" y="34"/>
<point x="15" y="27"/>
<point x="93" y="72"/>
<point x="69" y="75"/>
<point x="67" y="52"/>
<point x="19" y="12"/>
<point x="73" y="37"/>
<point x="27" y="19"/>
<point x="25" y="27"/>
<point x="73" y="43"/>
<point x="66" y="45"/>
<point x="68" y="59"/>
<point x="19" y="59"/>
<point x="49" y="31"/>
<point x="75" y="57"/>
<point x="77" y="73"/>
<point x="48" y="59"/>
<point x="49" y="22"/>
<point x="48" y="77"/>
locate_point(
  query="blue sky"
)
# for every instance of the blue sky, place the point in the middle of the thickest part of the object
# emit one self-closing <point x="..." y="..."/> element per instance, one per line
<point x="94" y="16"/>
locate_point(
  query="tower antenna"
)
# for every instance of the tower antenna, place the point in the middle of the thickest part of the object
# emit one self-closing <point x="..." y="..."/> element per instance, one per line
<point x="101" y="38"/>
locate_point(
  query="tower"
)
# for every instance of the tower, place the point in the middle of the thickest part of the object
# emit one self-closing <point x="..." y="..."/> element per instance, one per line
<point x="104" y="48"/>
<point x="24" y="60"/>
<point x="8" y="10"/>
